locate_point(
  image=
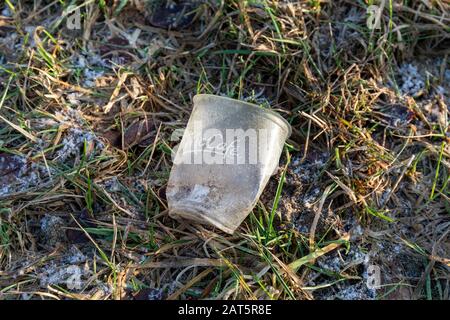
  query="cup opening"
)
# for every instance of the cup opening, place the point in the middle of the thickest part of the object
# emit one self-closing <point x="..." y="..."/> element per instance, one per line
<point x="275" y="117"/>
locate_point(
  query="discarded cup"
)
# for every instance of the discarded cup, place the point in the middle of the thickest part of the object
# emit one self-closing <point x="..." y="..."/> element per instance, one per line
<point x="228" y="152"/>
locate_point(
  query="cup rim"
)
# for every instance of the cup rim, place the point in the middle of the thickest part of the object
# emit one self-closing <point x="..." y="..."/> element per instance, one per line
<point x="275" y="117"/>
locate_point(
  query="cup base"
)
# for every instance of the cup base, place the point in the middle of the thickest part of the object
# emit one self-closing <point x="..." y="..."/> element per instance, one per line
<point x="198" y="215"/>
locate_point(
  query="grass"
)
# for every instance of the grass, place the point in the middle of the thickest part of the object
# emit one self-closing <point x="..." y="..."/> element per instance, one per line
<point x="86" y="136"/>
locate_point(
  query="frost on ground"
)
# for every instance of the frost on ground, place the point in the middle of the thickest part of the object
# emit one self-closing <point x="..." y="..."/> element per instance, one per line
<point x="74" y="142"/>
<point x="19" y="174"/>
<point x="340" y="274"/>
<point x="76" y="139"/>
<point x="412" y="82"/>
<point x="91" y="67"/>
<point x="301" y="192"/>
<point x="423" y="78"/>
<point x="344" y="272"/>
<point x="424" y="95"/>
<point x="53" y="274"/>
<point x="415" y="77"/>
<point x="75" y="271"/>
<point x="351" y="268"/>
<point x="52" y="229"/>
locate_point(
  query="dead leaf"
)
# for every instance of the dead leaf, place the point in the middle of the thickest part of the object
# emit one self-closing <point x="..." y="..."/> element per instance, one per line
<point x="114" y="138"/>
<point x="172" y="15"/>
<point x="74" y="234"/>
<point x="10" y="168"/>
<point x="138" y="132"/>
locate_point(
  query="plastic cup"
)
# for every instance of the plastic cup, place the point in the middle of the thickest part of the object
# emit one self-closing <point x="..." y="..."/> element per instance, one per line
<point x="228" y="152"/>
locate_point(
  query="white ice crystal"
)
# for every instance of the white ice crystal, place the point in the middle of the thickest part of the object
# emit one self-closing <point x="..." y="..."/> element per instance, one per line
<point x="21" y="175"/>
<point x="412" y="82"/>
<point x="73" y="142"/>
